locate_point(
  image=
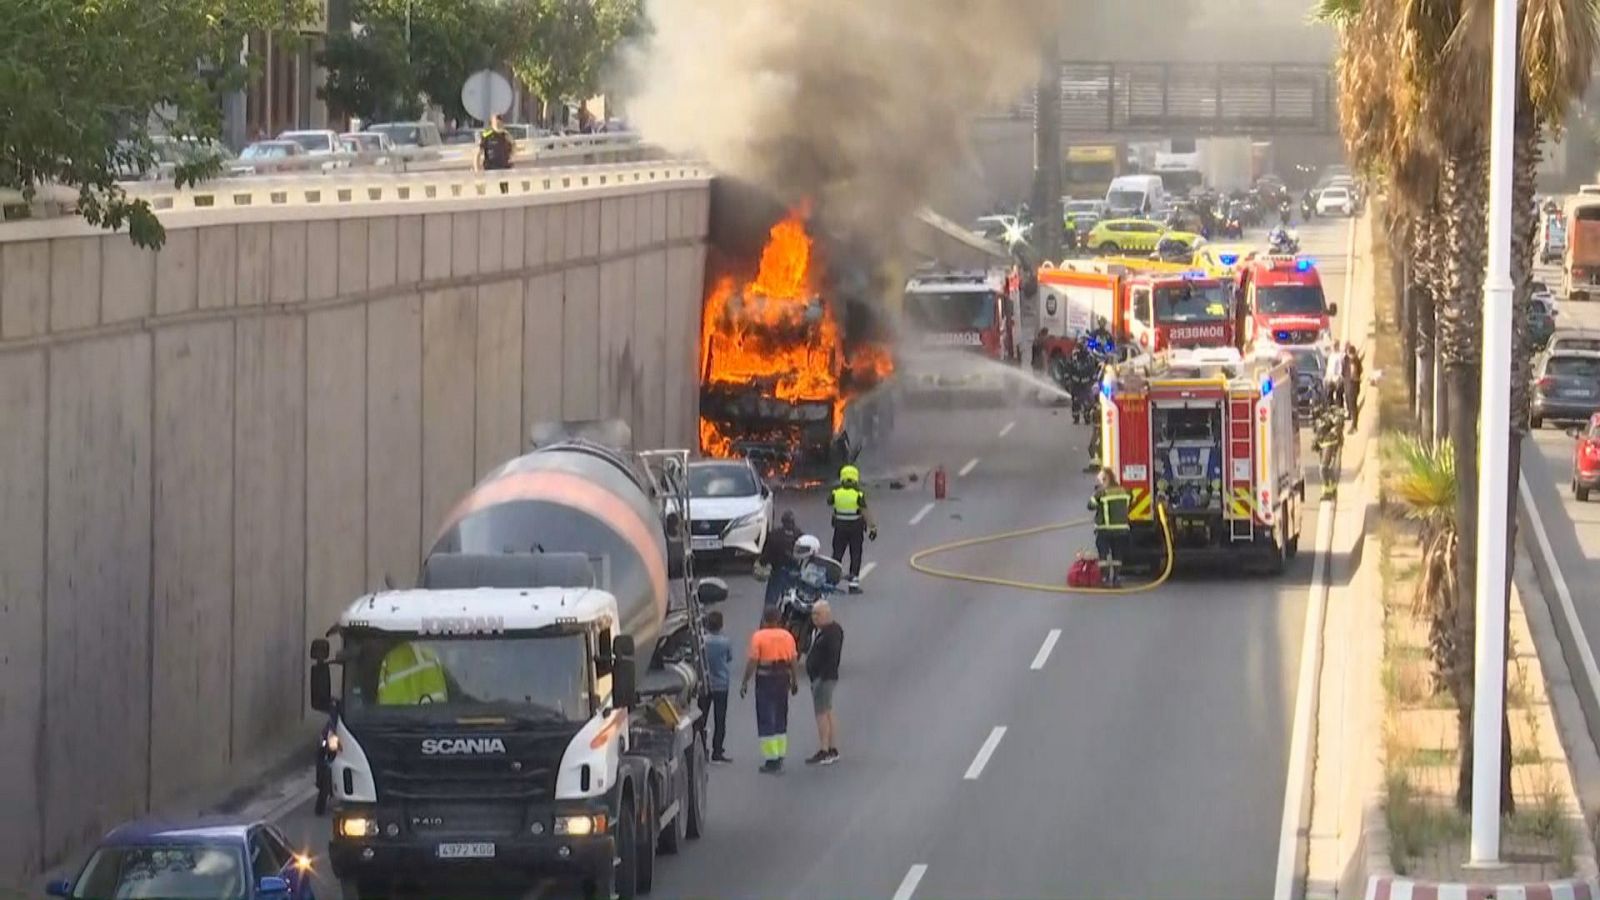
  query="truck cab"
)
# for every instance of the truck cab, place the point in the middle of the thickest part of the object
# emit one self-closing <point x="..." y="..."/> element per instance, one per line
<point x="1281" y="301"/>
<point x="1149" y="306"/>
<point x="1580" y="269"/>
<point x="952" y="319"/>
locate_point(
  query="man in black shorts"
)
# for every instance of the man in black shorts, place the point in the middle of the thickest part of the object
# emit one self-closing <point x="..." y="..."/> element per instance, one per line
<point x="822" y="667"/>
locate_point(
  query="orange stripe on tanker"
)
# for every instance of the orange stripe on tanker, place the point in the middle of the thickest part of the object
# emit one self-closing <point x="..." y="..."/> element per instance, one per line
<point x="577" y="493"/>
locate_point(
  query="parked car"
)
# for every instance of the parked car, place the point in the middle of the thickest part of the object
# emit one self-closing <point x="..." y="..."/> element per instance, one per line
<point x="1583" y="340"/>
<point x="1541" y="325"/>
<point x="219" y="858"/>
<point x="170" y="152"/>
<point x="270" y="156"/>
<point x="375" y="142"/>
<point x="1336" y="198"/>
<point x="1586" y="458"/>
<point x="409" y="134"/>
<point x="730" y="507"/>
<point x="1552" y="239"/>
<point x="1566" y="387"/>
<point x="320" y="142"/>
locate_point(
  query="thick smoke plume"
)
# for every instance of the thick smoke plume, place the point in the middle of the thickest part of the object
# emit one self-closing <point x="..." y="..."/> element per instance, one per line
<point x="861" y="106"/>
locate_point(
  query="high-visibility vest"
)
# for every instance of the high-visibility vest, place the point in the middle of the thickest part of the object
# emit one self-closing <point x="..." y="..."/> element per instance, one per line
<point x="1111" y="510"/>
<point x="847" y="503"/>
<point x="411" y="675"/>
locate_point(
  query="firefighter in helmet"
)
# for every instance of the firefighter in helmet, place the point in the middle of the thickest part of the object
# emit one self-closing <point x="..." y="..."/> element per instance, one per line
<point x="1329" y="432"/>
<point x="1111" y="533"/>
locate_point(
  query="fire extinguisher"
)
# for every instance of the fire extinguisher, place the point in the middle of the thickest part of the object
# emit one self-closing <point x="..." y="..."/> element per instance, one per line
<point x="938" y="483"/>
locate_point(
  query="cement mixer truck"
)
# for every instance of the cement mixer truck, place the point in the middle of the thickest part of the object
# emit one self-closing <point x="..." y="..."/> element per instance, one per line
<point x="528" y="711"/>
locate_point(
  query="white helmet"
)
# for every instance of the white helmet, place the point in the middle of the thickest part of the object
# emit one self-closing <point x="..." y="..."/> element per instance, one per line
<point x="805" y="547"/>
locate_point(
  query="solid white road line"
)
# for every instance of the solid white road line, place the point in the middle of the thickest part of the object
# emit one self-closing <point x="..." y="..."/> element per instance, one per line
<point x="984" y="752"/>
<point x="1009" y="425"/>
<point x="967" y="469"/>
<point x="908" y="884"/>
<point x="1302" y="733"/>
<point x="867" y="570"/>
<point x="922" y="513"/>
<point x="1044" y="651"/>
<point x="1569" y="610"/>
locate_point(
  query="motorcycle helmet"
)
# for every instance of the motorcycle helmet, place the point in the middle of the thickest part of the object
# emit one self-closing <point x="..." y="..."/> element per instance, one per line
<point x="806" y="546"/>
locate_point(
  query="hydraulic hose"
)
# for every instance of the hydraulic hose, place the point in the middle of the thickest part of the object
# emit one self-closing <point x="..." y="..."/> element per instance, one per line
<point x="918" y="565"/>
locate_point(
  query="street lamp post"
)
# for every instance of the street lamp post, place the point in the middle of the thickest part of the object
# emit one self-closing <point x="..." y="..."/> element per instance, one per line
<point x="1490" y="650"/>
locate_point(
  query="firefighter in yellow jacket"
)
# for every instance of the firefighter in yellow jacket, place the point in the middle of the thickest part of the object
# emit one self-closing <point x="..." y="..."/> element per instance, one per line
<point x="1111" y="535"/>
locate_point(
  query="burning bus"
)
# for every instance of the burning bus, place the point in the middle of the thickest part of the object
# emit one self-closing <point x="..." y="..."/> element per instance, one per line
<point x="776" y="372"/>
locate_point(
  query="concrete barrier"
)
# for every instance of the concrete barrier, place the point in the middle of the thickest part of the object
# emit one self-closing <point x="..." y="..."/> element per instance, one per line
<point x="209" y="450"/>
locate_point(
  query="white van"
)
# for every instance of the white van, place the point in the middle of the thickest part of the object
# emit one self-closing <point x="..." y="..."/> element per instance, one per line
<point x="1136" y="196"/>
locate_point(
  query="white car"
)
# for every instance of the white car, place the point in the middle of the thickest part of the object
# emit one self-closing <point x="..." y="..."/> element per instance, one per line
<point x="730" y="507"/>
<point x="1336" y="198"/>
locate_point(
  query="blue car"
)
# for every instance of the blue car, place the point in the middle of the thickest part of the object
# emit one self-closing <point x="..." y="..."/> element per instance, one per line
<point x="210" y="858"/>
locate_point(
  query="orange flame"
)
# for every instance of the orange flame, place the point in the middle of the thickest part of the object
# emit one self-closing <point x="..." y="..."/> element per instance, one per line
<point x="777" y="330"/>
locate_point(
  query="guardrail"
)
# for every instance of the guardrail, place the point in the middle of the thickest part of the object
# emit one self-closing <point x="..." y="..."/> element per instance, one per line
<point x="343" y="193"/>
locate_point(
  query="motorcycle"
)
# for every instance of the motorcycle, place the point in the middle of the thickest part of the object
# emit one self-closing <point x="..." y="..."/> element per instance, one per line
<point x="1308" y="207"/>
<point x="1282" y="242"/>
<point x="819" y="577"/>
<point x="1284" y="213"/>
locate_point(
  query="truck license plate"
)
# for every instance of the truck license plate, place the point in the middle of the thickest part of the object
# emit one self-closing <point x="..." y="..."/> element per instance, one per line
<point x="466" y="851"/>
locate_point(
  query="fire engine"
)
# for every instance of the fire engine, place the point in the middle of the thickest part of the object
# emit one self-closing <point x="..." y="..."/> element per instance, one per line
<point x="1149" y="306"/>
<point x="1214" y="437"/>
<point x="953" y="321"/>
<point x="1281" y="302"/>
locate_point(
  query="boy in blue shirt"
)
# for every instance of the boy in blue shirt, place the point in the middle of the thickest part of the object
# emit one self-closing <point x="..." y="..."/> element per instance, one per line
<point x="719" y="659"/>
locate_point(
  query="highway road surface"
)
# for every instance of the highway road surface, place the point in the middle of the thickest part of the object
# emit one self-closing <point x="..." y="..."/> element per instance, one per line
<point x="999" y="743"/>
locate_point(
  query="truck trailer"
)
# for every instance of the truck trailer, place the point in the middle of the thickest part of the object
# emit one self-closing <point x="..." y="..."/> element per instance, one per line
<point x="1213" y="437"/>
<point x="529" y="709"/>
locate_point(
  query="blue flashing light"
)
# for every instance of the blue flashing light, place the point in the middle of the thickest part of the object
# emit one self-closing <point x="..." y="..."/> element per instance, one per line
<point x="1266" y="387"/>
<point x="1228" y="259"/>
<point x="1106" y="390"/>
<point x="1302" y="265"/>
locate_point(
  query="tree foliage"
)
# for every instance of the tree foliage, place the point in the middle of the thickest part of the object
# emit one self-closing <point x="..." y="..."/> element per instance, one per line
<point x="572" y="40"/>
<point x="84" y="83"/>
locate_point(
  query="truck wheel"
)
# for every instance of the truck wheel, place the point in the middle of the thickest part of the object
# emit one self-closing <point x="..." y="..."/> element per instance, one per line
<point x="648" y="831"/>
<point x="626" y="870"/>
<point x="699" y="780"/>
<point x="1582" y="493"/>
<point x="672" y="836"/>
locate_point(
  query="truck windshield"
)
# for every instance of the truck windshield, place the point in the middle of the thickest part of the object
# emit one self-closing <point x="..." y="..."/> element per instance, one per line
<point x="1297" y="299"/>
<point x="953" y="311"/>
<point x="404" y="678"/>
<point x="1125" y="201"/>
<point x="1192" y="303"/>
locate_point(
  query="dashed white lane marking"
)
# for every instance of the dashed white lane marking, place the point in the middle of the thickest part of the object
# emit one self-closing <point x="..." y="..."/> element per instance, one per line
<point x="1043" y="655"/>
<point x="1009" y="425"/>
<point x="922" y="513"/>
<point x="908" y="884"/>
<point x="967" y="469"/>
<point x="984" y="752"/>
<point x="867" y="570"/>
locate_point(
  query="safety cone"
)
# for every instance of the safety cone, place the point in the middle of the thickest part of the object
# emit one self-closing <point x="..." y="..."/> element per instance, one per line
<point x="938" y="483"/>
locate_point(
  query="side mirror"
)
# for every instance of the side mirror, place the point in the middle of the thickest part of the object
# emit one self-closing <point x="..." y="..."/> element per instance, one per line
<point x="622" y="646"/>
<point x="711" y="591"/>
<point x="319" y="650"/>
<point x="321" y="687"/>
<point x="61" y="887"/>
<point x="1333" y="309"/>
<point x="273" y="886"/>
<point x="624" y="686"/>
<point x="765" y="492"/>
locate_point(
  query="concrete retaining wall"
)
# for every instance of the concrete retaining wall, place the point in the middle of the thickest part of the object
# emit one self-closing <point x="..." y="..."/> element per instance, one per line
<point x="206" y="452"/>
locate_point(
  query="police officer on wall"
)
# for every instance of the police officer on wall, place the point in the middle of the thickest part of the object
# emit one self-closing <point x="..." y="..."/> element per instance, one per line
<point x="852" y="522"/>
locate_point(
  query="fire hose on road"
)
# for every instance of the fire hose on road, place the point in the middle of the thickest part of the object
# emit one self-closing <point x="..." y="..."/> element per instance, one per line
<point x="917" y="558"/>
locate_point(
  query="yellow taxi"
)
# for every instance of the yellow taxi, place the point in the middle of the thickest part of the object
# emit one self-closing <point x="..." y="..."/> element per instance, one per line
<point x="1136" y="235"/>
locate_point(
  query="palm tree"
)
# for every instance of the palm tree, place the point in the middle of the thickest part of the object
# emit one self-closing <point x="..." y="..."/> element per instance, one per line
<point x="1423" y="479"/>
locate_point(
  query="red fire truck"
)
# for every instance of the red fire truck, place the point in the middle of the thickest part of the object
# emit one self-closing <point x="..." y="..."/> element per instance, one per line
<point x="1148" y="306"/>
<point x="1281" y="302"/>
<point x="1213" y="436"/>
<point x="960" y="332"/>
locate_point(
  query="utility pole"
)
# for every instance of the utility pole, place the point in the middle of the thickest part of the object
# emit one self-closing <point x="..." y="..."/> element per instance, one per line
<point x="1048" y="221"/>
<point x="1489" y="657"/>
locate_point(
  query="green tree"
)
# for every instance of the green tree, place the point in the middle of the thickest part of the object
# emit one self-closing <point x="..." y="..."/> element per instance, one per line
<point x="83" y="84"/>
<point x="570" y="42"/>
<point x="369" y="76"/>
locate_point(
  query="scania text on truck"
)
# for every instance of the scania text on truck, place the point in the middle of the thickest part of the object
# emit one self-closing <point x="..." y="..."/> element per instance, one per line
<point x="1281" y="302"/>
<point x="495" y="722"/>
<point x="1214" y="437"/>
<point x="1580" y="264"/>
<point x="1147" y="305"/>
<point x="959" y="330"/>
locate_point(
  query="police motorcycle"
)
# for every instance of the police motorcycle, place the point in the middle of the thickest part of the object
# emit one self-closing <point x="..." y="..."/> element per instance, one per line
<point x="1308" y="206"/>
<point x="1282" y="241"/>
<point x="1284" y="212"/>
<point x="819" y="576"/>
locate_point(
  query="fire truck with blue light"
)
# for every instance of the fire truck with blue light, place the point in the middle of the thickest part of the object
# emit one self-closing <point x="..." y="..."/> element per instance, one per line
<point x="1281" y="301"/>
<point x="959" y="330"/>
<point x="1148" y="306"/>
<point x="1213" y="436"/>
